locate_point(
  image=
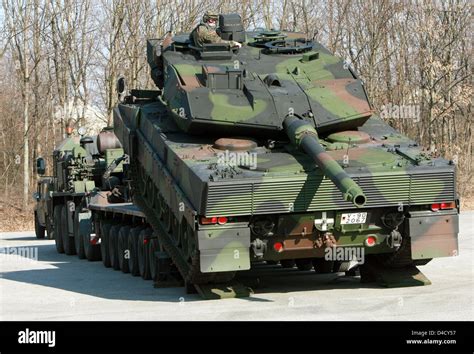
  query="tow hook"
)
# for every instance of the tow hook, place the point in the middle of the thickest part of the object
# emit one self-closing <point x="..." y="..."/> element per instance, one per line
<point x="395" y="239"/>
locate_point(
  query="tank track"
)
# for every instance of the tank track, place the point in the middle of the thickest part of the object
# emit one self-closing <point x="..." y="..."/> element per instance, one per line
<point x="190" y="271"/>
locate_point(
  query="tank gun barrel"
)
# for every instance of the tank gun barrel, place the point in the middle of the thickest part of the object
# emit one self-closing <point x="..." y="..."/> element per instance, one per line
<point x="304" y="136"/>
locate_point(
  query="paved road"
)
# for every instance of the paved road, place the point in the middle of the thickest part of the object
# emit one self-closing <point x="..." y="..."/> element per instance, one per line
<point x="60" y="287"/>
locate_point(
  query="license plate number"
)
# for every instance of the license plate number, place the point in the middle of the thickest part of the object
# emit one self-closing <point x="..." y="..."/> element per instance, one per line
<point x="353" y="218"/>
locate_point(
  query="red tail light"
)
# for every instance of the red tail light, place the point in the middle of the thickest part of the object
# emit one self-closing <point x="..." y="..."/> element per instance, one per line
<point x="443" y="206"/>
<point x="448" y="205"/>
<point x="278" y="246"/>
<point x="221" y="220"/>
<point x="370" y="241"/>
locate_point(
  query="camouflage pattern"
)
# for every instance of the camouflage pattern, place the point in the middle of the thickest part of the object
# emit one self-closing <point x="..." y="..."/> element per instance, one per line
<point x="320" y="154"/>
<point x="204" y="34"/>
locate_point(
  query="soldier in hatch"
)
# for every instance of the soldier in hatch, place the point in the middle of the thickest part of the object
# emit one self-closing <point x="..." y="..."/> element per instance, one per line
<point x="205" y="32"/>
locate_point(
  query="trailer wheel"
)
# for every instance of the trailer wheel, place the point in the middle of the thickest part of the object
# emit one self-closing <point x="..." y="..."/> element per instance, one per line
<point x="104" y="242"/>
<point x="68" y="242"/>
<point x="271" y="262"/>
<point x="92" y="252"/>
<point x="156" y="271"/>
<point x="123" y="251"/>
<point x="143" y="245"/>
<point x="287" y="263"/>
<point x="39" y="229"/>
<point x="113" y="243"/>
<point x="304" y="264"/>
<point x="133" y="247"/>
<point x="78" y="243"/>
<point x="322" y="266"/>
<point x="58" y="240"/>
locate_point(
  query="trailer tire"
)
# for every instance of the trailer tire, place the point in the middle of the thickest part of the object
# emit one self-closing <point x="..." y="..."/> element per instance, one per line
<point x="91" y="251"/>
<point x="113" y="245"/>
<point x="104" y="242"/>
<point x="78" y="243"/>
<point x="58" y="240"/>
<point x="68" y="242"/>
<point x="133" y="247"/>
<point x="304" y="264"/>
<point x="287" y="263"/>
<point x="143" y="245"/>
<point x="123" y="251"/>
<point x="323" y="266"/>
<point x="156" y="272"/>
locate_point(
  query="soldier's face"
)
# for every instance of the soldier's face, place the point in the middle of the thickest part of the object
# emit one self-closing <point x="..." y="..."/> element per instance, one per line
<point x="211" y="22"/>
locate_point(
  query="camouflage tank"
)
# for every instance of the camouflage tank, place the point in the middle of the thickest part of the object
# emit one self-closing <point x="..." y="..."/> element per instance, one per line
<point x="272" y="152"/>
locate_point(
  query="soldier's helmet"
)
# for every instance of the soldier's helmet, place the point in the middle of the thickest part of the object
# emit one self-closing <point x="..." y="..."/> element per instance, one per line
<point x="209" y="15"/>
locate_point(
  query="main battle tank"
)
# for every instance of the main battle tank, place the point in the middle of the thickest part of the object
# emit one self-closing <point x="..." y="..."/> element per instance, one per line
<point x="272" y="152"/>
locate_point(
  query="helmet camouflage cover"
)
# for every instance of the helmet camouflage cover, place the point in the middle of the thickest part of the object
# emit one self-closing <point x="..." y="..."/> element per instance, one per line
<point x="209" y="15"/>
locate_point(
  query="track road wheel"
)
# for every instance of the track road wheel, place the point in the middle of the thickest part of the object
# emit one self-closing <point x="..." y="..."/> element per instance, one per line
<point x="104" y="242"/>
<point x="39" y="230"/>
<point x="304" y="264"/>
<point x="113" y="245"/>
<point x="322" y="266"/>
<point x="143" y="245"/>
<point x="91" y="251"/>
<point x="287" y="263"/>
<point x="58" y="240"/>
<point x="78" y="242"/>
<point x="68" y="242"/>
<point x="133" y="248"/>
<point x="122" y="248"/>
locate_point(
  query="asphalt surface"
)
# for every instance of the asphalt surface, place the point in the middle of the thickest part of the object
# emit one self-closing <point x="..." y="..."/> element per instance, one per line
<point x="60" y="287"/>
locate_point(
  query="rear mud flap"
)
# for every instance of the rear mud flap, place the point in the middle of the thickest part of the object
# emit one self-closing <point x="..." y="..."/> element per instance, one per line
<point x="393" y="277"/>
<point x="224" y="249"/>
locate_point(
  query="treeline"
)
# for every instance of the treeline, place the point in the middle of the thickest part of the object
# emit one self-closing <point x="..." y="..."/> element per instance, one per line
<point x="59" y="59"/>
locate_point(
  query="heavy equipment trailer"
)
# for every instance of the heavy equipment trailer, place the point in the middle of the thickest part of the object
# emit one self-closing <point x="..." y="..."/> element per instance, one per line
<point x="270" y="152"/>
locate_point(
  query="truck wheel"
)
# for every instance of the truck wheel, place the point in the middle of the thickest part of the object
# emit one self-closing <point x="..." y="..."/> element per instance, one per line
<point x="68" y="242"/>
<point x="143" y="245"/>
<point x="133" y="248"/>
<point x="91" y="251"/>
<point x="104" y="242"/>
<point x="304" y="264"/>
<point x="287" y="263"/>
<point x="58" y="240"/>
<point x="39" y="230"/>
<point x="78" y="243"/>
<point x="113" y="243"/>
<point x="123" y="251"/>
